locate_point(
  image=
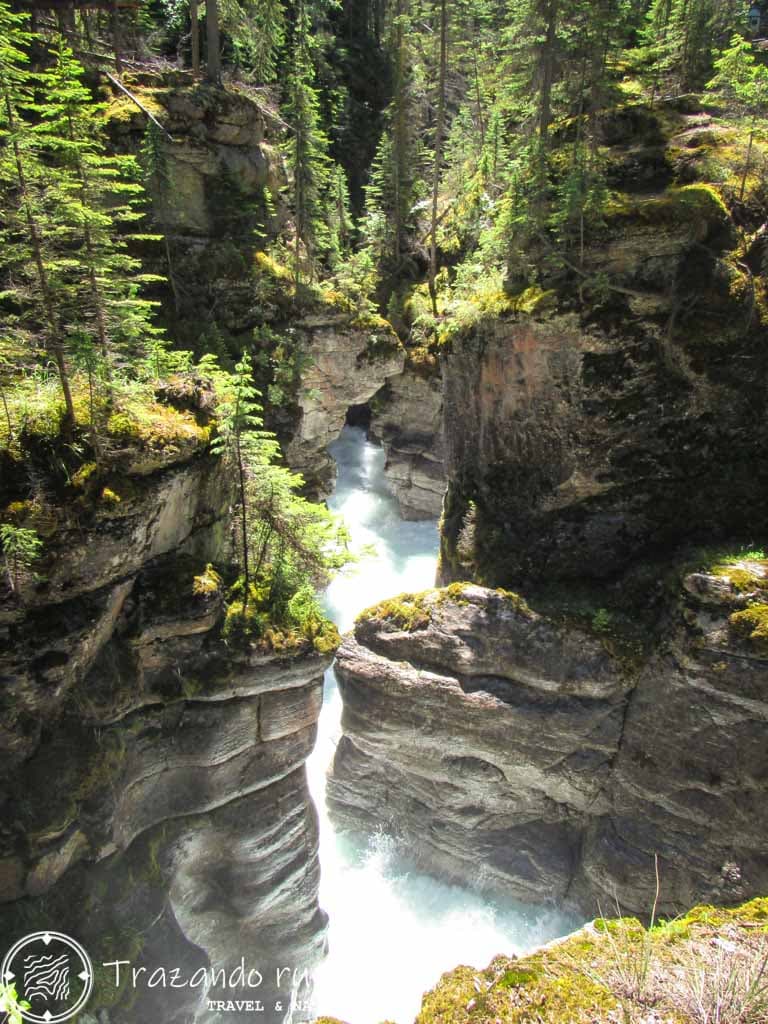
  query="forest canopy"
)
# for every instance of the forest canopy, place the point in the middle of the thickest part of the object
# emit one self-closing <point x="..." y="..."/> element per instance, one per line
<point x="440" y="160"/>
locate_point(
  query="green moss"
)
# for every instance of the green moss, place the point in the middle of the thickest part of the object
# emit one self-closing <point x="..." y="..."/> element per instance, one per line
<point x="122" y="109"/>
<point x="747" y="572"/>
<point x="512" y="979"/>
<point x="406" y="611"/>
<point x="678" y="207"/>
<point x="608" y="974"/>
<point x="423" y="361"/>
<point x="209" y="582"/>
<point x="515" y="601"/>
<point x="327" y="638"/>
<point x="110" y="497"/>
<point x="414" y="611"/>
<point x="84" y="474"/>
<point x="752" y="624"/>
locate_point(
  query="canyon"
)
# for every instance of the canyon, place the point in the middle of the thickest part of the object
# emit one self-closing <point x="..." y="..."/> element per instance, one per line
<point x="564" y="716"/>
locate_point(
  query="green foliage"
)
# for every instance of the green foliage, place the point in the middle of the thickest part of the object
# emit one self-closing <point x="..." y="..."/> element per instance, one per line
<point x="11" y="1006"/>
<point x="21" y="549"/>
<point x="70" y="211"/>
<point x="320" y="200"/>
<point x="601" y="620"/>
<point x="752" y="623"/>
<point x="207" y="583"/>
<point x="287" y="547"/>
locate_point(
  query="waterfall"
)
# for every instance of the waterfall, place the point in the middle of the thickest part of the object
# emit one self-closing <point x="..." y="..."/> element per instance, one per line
<point x="393" y="931"/>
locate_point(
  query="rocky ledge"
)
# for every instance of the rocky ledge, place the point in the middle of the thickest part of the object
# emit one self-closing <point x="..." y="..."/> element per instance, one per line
<point x="679" y="972"/>
<point x="153" y="789"/>
<point x="556" y="762"/>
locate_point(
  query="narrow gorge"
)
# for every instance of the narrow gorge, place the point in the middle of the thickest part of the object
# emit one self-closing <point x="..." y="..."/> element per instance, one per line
<point x="383" y="512"/>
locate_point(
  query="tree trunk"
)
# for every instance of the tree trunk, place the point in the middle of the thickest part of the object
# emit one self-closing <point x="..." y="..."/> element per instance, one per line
<point x="547" y="71"/>
<point x="243" y="526"/>
<point x="748" y="160"/>
<point x="439" y="131"/>
<point x="400" y="143"/>
<point x="194" y="22"/>
<point x="116" y="37"/>
<point x="54" y="339"/>
<point x="7" y="414"/>
<point x="213" y="39"/>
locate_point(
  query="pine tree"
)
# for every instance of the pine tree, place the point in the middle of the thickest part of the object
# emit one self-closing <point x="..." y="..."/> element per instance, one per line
<point x="31" y="230"/>
<point x="681" y="38"/>
<point x="307" y="151"/>
<point x="744" y="82"/>
<point x="438" y="150"/>
<point x="256" y="29"/>
<point x="243" y="444"/>
<point x="109" y="323"/>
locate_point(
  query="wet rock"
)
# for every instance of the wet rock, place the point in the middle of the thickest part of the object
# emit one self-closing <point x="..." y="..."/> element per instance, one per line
<point x="153" y="783"/>
<point x="348" y="366"/>
<point x="529" y="755"/>
<point x="407" y="418"/>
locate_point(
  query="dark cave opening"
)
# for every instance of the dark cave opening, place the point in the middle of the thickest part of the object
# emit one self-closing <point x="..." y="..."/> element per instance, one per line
<point x="359" y="416"/>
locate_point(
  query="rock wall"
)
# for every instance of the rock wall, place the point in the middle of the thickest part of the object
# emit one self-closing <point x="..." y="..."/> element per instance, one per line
<point x="346" y="366"/>
<point x="512" y="748"/>
<point x="408" y="419"/>
<point x="153" y="788"/>
<point x="583" y="438"/>
<point x="216" y="185"/>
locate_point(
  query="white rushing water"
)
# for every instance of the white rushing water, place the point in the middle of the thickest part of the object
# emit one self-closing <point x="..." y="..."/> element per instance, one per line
<point x="393" y="932"/>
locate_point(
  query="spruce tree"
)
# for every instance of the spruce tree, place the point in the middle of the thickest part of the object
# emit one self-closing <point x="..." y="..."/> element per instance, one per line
<point x="307" y="151"/>
<point x="30" y="232"/>
<point x="438" y="149"/>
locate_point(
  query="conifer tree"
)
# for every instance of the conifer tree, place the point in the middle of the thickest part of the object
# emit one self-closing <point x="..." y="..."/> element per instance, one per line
<point x="30" y="230"/>
<point x="744" y="82"/>
<point x="97" y="196"/>
<point x="241" y="442"/>
<point x="438" y="150"/>
<point x="390" y="192"/>
<point x="307" y="150"/>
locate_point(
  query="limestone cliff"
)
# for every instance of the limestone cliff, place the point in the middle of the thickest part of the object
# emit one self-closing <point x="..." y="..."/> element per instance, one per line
<point x="408" y="419"/>
<point x="621" y="415"/>
<point x="347" y="365"/>
<point x="600" y="427"/>
<point x="555" y="762"/>
<point x="217" y="184"/>
<point x="152" y="777"/>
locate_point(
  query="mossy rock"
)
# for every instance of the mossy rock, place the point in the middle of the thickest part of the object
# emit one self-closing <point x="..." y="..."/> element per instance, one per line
<point x="411" y="612"/>
<point x="752" y="624"/>
<point x="678" y="207"/>
<point x="601" y="973"/>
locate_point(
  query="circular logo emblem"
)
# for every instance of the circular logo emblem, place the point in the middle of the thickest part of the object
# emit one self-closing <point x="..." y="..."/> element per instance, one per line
<point x="50" y="972"/>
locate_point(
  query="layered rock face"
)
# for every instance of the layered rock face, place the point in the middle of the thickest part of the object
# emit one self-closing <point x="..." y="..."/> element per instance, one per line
<point x="346" y="366"/>
<point x="216" y="181"/>
<point x="408" y="419"/>
<point x="582" y="438"/>
<point x="504" y="746"/>
<point x="154" y="795"/>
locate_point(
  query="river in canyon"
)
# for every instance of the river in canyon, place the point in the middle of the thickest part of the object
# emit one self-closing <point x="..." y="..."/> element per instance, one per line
<point x="393" y="930"/>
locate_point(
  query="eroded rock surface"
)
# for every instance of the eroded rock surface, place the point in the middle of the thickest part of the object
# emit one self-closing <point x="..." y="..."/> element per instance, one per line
<point x="408" y="418"/>
<point x="153" y="786"/>
<point x="580" y="439"/>
<point x="508" y="747"/>
<point x="347" y="366"/>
